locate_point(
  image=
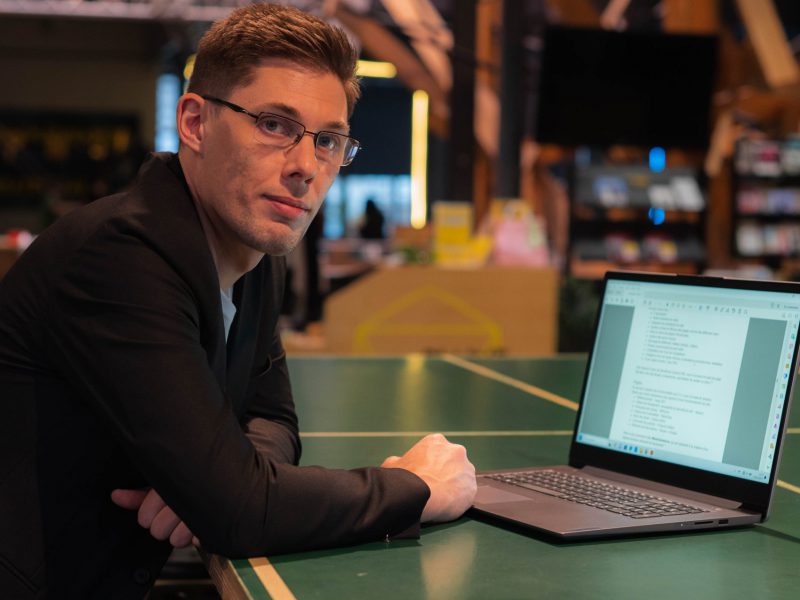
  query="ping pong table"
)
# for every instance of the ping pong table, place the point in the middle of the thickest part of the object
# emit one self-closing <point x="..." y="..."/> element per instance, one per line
<point x="508" y="413"/>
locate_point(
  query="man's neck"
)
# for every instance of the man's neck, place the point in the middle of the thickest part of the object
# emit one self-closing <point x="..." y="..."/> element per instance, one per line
<point x="231" y="258"/>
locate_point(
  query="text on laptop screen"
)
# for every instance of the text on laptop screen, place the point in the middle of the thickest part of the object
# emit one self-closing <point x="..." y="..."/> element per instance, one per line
<point x="691" y="375"/>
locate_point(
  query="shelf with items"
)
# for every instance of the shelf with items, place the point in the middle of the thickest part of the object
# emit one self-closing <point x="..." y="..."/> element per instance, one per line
<point x="622" y="215"/>
<point x="766" y="200"/>
<point x="764" y="159"/>
<point x="768" y="240"/>
<point x="629" y="217"/>
<point x="753" y="200"/>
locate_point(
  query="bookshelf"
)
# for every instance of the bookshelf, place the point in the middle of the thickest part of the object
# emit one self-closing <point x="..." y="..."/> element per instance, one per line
<point x="630" y="217"/>
<point x="766" y="201"/>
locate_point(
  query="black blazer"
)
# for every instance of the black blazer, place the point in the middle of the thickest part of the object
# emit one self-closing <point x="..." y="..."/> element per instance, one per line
<point x="114" y="372"/>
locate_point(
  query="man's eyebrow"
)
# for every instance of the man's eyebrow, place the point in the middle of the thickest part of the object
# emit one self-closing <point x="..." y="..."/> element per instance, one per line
<point x="290" y="111"/>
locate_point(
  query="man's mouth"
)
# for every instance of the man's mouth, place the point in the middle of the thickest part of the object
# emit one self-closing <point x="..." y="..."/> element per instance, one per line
<point x="290" y="208"/>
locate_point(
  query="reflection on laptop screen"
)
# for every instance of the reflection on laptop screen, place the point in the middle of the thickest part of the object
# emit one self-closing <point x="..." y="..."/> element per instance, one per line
<point x="691" y="375"/>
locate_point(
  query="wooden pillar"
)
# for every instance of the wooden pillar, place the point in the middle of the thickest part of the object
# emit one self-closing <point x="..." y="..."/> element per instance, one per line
<point x="462" y="102"/>
<point x="690" y="16"/>
<point x="487" y="120"/>
<point x="508" y="182"/>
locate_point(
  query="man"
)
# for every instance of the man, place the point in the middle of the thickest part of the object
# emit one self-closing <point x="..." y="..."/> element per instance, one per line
<point x="145" y="394"/>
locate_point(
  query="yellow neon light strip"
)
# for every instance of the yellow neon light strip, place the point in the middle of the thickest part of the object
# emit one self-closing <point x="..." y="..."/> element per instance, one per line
<point x="371" y="68"/>
<point x="419" y="159"/>
<point x="188" y="68"/>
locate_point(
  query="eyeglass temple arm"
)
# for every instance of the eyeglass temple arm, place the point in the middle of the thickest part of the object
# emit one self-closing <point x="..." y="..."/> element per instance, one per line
<point x="231" y="105"/>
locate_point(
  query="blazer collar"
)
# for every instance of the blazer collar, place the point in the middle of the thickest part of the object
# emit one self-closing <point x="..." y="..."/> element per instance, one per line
<point x="162" y="185"/>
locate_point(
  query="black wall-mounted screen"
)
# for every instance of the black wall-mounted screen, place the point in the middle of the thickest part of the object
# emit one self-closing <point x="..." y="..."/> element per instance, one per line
<point x="600" y="88"/>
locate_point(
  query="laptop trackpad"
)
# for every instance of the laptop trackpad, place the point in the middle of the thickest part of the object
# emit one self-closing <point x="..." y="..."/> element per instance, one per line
<point x="491" y="495"/>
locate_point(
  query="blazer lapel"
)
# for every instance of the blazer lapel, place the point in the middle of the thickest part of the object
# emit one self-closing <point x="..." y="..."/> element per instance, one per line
<point x="164" y="183"/>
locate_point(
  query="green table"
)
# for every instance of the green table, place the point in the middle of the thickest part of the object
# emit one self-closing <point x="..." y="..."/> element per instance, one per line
<point x="508" y="413"/>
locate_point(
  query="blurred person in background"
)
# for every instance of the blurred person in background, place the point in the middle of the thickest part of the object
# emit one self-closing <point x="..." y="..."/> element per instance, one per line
<point x="372" y="224"/>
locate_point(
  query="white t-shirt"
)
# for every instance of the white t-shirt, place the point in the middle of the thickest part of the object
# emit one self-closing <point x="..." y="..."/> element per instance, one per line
<point x="228" y="310"/>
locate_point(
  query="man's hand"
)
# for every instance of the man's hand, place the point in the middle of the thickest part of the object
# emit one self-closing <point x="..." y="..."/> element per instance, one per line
<point x="446" y="470"/>
<point x="155" y="515"/>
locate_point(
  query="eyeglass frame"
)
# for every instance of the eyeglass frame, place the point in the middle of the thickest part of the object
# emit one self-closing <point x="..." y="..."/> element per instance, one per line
<point x="314" y="134"/>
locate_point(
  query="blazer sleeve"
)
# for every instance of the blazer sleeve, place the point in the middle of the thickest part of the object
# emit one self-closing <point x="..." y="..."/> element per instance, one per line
<point x="270" y="420"/>
<point x="125" y="331"/>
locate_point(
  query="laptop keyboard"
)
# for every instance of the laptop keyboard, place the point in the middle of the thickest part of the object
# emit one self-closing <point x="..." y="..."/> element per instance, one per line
<point x="595" y="493"/>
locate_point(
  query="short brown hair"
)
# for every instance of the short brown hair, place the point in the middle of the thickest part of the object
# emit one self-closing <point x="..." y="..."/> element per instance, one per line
<point x="233" y="46"/>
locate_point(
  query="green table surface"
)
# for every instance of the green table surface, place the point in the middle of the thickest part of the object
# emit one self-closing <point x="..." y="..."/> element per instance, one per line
<point x="508" y="413"/>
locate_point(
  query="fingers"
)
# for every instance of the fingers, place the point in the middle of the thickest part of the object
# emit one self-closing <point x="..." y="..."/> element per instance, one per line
<point x="130" y="499"/>
<point x="155" y="515"/>
<point x="181" y="536"/>
<point x="151" y="506"/>
<point x="165" y="524"/>
<point x="432" y="439"/>
<point x="447" y="471"/>
<point x="390" y="461"/>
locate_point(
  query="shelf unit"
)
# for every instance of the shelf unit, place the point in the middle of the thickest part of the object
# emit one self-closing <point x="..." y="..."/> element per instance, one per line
<point x="766" y="201"/>
<point x="629" y="217"/>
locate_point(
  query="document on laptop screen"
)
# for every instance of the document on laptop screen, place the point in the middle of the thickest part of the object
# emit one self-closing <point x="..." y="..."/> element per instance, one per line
<point x="691" y="375"/>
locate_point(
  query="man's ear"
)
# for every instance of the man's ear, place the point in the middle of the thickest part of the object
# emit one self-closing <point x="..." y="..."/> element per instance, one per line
<point x="191" y="121"/>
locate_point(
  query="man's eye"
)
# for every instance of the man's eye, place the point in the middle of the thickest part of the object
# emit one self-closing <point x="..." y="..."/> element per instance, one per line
<point x="330" y="142"/>
<point x="273" y="126"/>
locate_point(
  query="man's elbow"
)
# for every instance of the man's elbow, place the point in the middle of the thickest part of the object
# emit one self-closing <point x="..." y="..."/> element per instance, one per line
<point x="251" y="546"/>
<point x="235" y="543"/>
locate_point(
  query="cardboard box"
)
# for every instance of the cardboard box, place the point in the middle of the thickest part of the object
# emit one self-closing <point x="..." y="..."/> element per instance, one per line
<point x="499" y="311"/>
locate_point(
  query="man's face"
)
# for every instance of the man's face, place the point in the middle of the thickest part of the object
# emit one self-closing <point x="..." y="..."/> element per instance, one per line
<point x="262" y="197"/>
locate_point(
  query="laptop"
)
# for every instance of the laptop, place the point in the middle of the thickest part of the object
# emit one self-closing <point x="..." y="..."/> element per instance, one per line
<point x="682" y="415"/>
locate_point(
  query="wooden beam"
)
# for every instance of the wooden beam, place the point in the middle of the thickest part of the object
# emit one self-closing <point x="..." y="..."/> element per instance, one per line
<point x="691" y="16"/>
<point x="429" y="36"/>
<point x="383" y="45"/>
<point x="721" y="143"/>
<point x="578" y="13"/>
<point x="769" y="41"/>
<point x="613" y="16"/>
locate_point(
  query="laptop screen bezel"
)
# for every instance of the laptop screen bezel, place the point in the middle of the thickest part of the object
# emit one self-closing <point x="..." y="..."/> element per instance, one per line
<point x="753" y="495"/>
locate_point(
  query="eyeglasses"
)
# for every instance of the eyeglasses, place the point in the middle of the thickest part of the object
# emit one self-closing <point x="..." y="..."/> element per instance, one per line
<point x="282" y="132"/>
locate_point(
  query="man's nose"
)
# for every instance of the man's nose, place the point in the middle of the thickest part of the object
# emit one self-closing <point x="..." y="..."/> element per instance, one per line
<point x="302" y="157"/>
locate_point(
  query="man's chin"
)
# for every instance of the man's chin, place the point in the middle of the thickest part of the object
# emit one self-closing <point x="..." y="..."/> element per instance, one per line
<point x="277" y="246"/>
<point x="274" y="239"/>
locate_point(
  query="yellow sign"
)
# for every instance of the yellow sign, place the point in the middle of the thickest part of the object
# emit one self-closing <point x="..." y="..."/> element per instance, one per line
<point x="465" y="321"/>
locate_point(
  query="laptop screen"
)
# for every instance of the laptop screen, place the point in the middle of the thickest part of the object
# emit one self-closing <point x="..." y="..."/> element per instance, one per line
<point x="691" y="375"/>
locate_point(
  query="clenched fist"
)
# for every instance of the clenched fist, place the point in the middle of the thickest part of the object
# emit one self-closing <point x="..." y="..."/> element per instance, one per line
<point x="447" y="471"/>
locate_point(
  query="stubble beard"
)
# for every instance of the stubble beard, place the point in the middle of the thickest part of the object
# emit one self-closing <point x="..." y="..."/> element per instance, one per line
<point x="277" y="240"/>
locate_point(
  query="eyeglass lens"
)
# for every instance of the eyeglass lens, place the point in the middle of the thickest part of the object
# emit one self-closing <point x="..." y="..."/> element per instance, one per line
<point x="274" y="130"/>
